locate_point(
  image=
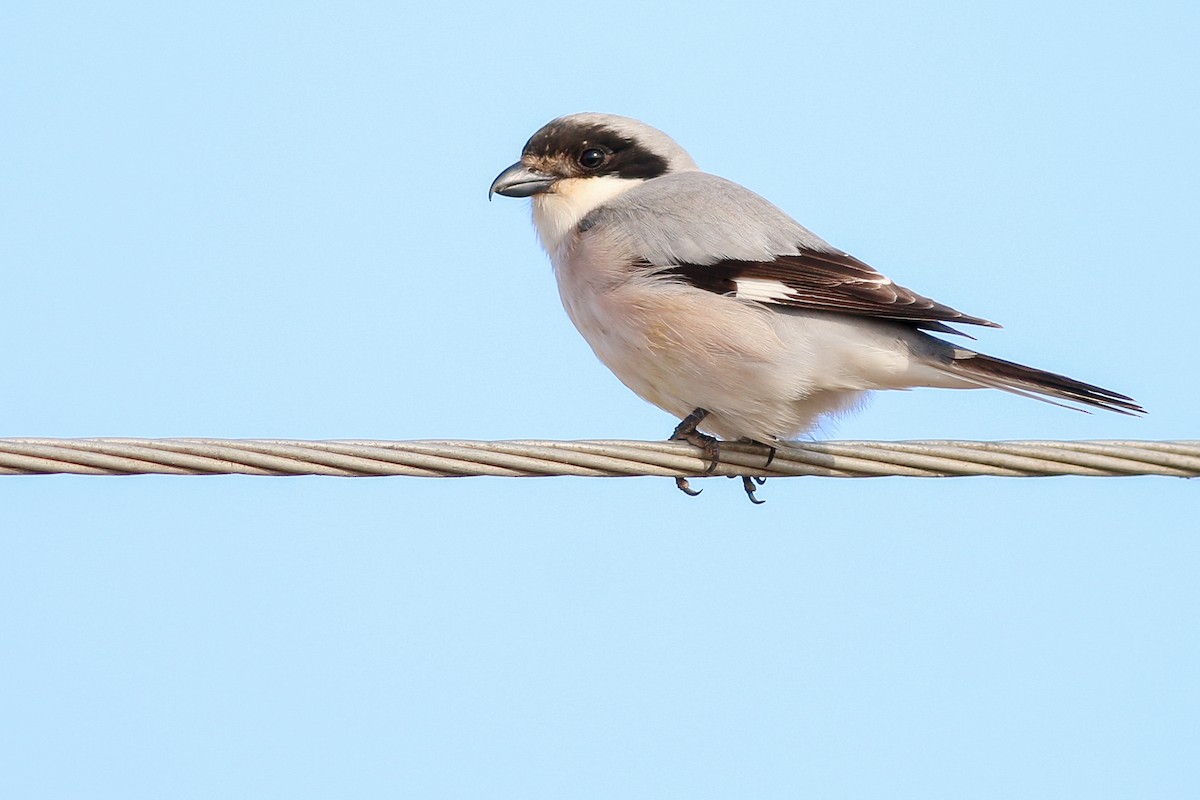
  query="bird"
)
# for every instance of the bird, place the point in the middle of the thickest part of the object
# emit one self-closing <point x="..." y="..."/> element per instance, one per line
<point x="710" y="302"/>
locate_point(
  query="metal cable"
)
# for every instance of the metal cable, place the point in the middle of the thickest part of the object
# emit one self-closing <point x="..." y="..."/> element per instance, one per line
<point x="430" y="458"/>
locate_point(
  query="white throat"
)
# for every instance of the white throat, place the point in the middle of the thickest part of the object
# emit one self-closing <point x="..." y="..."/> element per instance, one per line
<point x="557" y="212"/>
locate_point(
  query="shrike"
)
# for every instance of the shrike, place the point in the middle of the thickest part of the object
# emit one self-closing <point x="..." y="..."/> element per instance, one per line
<point x="714" y="305"/>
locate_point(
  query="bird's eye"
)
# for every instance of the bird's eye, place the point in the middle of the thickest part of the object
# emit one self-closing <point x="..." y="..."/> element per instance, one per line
<point x="592" y="157"/>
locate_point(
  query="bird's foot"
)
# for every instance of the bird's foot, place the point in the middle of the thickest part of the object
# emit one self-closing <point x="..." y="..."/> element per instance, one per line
<point x="750" y="484"/>
<point x="771" y="451"/>
<point x="686" y="431"/>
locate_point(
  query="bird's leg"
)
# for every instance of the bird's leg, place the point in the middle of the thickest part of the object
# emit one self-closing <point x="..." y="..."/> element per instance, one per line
<point x="686" y="431"/>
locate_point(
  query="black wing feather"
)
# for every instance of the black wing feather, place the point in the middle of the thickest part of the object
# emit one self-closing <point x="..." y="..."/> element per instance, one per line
<point x="825" y="281"/>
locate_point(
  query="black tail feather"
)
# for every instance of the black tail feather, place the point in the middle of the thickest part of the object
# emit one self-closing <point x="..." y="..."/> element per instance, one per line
<point x="1017" y="378"/>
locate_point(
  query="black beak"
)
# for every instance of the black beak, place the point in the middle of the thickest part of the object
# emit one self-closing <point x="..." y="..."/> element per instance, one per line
<point x="519" y="181"/>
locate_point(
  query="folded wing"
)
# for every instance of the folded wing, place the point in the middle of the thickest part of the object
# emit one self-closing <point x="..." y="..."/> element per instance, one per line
<point x="818" y="280"/>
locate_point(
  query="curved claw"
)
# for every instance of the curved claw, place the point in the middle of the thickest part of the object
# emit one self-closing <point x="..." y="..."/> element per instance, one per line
<point x="771" y="450"/>
<point x="748" y="484"/>
<point x="682" y="485"/>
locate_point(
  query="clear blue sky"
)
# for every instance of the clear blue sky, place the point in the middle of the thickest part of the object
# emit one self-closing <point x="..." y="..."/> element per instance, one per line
<point x="269" y="220"/>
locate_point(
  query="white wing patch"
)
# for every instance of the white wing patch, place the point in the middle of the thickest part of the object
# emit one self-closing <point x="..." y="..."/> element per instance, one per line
<point x="764" y="290"/>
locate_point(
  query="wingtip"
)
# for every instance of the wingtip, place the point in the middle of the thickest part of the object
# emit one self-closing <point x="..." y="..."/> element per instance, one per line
<point x="970" y="320"/>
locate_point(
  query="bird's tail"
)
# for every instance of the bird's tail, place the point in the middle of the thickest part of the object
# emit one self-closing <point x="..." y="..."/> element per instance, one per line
<point x="1049" y="387"/>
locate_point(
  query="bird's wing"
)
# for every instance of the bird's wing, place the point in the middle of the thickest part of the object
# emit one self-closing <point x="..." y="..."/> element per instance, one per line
<point x="820" y="281"/>
<point x="721" y="237"/>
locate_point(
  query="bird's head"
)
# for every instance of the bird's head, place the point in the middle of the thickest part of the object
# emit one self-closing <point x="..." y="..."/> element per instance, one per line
<point x="577" y="162"/>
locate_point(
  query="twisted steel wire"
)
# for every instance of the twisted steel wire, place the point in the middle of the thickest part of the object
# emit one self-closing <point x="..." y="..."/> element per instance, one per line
<point x="600" y="458"/>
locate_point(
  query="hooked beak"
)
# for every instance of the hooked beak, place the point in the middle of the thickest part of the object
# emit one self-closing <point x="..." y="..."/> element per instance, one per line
<point x="519" y="181"/>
